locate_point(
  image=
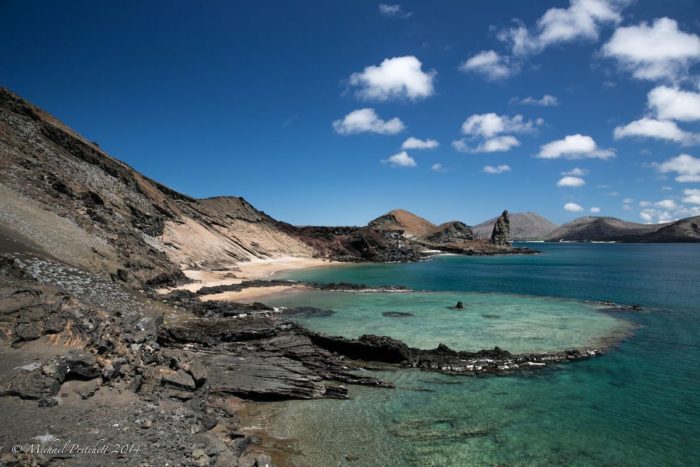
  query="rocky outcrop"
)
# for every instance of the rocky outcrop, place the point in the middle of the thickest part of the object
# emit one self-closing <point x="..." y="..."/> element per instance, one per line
<point x="357" y="244"/>
<point x="443" y="359"/>
<point x="501" y="230"/>
<point x="524" y="226"/>
<point x="450" y="232"/>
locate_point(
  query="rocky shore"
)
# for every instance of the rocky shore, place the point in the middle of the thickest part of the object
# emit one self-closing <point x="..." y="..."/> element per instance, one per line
<point x="172" y="371"/>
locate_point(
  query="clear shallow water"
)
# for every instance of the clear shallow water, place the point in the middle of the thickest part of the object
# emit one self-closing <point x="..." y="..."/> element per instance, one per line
<point x="518" y="323"/>
<point x="637" y="405"/>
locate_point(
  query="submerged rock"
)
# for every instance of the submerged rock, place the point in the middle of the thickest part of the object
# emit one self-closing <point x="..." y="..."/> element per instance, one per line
<point x="397" y="314"/>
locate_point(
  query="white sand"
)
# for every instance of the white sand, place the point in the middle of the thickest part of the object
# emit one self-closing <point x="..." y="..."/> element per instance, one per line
<point x="250" y="270"/>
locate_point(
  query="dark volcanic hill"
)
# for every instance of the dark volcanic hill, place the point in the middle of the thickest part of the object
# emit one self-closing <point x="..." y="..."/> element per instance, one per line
<point x="681" y="231"/>
<point x="523" y="226"/>
<point x="610" y="229"/>
<point x="450" y="232"/>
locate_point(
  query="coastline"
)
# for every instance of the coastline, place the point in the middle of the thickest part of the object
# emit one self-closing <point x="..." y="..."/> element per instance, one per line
<point x="240" y="272"/>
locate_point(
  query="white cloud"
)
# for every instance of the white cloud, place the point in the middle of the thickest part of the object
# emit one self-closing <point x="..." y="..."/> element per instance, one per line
<point x="367" y="121"/>
<point x="574" y="147"/>
<point x="545" y="101"/>
<point x="397" y="77"/>
<point x="657" y="129"/>
<point x="666" y="204"/>
<point x="692" y="196"/>
<point x="393" y="11"/>
<point x="497" y="170"/>
<point x="438" y="167"/>
<point x="686" y="167"/>
<point x="497" y="144"/>
<point x="662" y="215"/>
<point x="644" y="204"/>
<point x="582" y="20"/>
<point x="573" y="207"/>
<point x="576" y="172"/>
<point x="647" y="215"/>
<point x="654" y="52"/>
<point x="569" y="181"/>
<point x="491" y="124"/>
<point x="415" y="143"/>
<point x="401" y="159"/>
<point x="674" y="104"/>
<point x="490" y="64"/>
<point x="595" y="210"/>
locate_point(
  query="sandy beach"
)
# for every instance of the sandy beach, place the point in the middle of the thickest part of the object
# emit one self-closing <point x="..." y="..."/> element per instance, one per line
<point x="246" y="271"/>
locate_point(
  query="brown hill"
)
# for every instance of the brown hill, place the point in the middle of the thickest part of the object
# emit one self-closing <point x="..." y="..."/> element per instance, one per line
<point x="412" y="225"/>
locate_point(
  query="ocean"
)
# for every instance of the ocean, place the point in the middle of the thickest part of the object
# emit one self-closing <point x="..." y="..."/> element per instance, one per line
<point x="639" y="404"/>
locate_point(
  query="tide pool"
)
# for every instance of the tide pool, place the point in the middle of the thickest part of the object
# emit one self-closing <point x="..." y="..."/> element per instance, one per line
<point x="517" y="323"/>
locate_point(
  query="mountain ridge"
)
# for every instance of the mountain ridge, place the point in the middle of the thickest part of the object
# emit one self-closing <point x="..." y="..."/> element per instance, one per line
<point x="612" y="229"/>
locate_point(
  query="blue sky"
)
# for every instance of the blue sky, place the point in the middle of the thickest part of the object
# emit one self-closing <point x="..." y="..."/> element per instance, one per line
<point x="271" y="101"/>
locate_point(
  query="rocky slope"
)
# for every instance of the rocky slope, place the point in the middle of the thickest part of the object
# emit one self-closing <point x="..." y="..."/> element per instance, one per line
<point x="95" y="212"/>
<point x="610" y="229"/>
<point x="450" y="232"/>
<point x="682" y="231"/>
<point x="523" y="226"/>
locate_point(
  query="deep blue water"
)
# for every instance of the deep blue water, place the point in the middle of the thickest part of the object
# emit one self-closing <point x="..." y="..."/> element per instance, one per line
<point x="637" y="405"/>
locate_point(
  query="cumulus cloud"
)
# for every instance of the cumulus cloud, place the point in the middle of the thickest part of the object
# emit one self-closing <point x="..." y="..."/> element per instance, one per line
<point x="496" y="170"/>
<point x="545" y="101"/>
<point x="490" y="128"/>
<point x="576" y="146"/>
<point x="595" y="210"/>
<point x="660" y="51"/>
<point x="666" y="204"/>
<point x="582" y="20"/>
<point x="657" y="129"/>
<point x="685" y="166"/>
<point x="674" y="104"/>
<point x="569" y="181"/>
<point x="576" y="172"/>
<point x="393" y="11"/>
<point x="438" y="167"/>
<point x="397" y="77"/>
<point x="667" y="212"/>
<point x="491" y="124"/>
<point x="490" y="65"/>
<point x="401" y="159"/>
<point x="497" y="144"/>
<point x="415" y="143"/>
<point x="573" y="207"/>
<point x="367" y="121"/>
<point x="691" y="196"/>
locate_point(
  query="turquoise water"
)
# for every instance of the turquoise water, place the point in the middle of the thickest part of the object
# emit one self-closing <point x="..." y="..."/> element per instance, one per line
<point x="518" y="323"/>
<point x="637" y="405"/>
